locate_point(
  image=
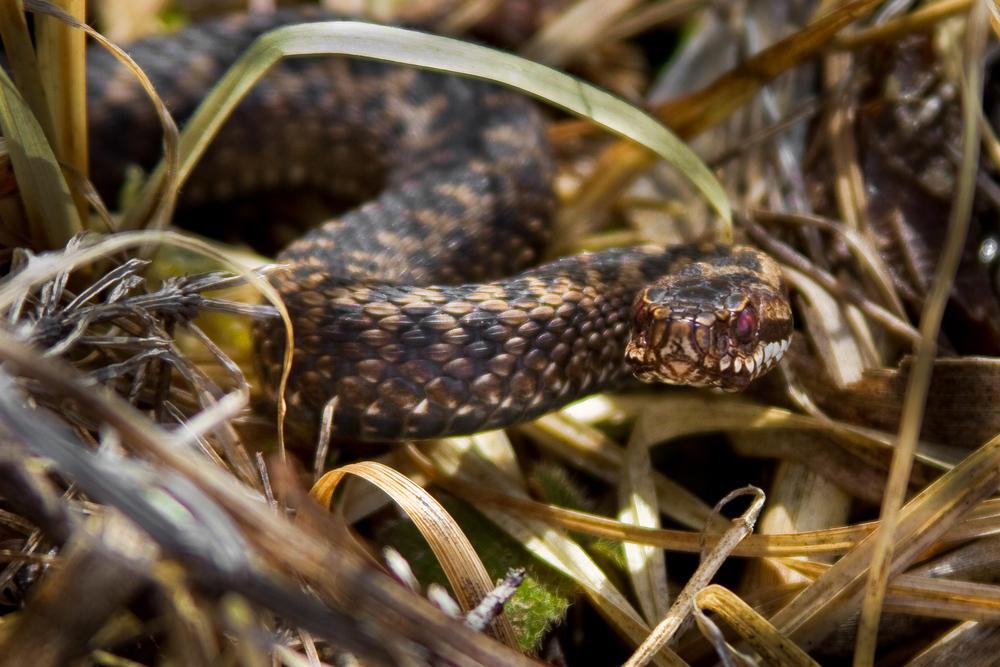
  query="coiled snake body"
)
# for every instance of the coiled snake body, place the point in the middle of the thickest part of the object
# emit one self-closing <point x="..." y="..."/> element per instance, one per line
<point x="406" y="322"/>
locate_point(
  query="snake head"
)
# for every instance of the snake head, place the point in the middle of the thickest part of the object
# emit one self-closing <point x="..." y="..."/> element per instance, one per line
<point x="713" y="324"/>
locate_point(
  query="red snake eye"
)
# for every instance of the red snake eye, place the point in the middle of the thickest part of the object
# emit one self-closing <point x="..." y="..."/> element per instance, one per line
<point x="745" y="327"/>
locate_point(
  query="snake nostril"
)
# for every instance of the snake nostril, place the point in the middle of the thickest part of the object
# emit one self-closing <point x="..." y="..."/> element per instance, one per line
<point x="655" y="294"/>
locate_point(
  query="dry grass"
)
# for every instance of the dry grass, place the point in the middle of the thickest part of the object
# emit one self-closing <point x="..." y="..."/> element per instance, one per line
<point x="147" y="518"/>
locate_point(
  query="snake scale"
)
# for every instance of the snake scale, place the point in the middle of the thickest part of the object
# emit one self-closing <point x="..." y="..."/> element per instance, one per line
<point x="417" y="314"/>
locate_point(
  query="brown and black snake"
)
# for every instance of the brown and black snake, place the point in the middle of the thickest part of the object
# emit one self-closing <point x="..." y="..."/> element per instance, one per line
<point x="417" y="314"/>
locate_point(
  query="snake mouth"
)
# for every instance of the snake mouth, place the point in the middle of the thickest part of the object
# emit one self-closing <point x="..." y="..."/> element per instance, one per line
<point x="696" y="353"/>
<point x="733" y="372"/>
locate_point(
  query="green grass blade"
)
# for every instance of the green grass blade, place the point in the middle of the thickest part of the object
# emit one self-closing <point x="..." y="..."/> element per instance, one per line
<point x="47" y="201"/>
<point x="439" y="53"/>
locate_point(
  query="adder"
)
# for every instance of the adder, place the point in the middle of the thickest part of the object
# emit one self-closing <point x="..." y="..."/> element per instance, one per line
<point x="421" y="313"/>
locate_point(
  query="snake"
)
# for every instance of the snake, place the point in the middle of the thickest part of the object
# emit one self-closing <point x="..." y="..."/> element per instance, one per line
<point x="424" y="311"/>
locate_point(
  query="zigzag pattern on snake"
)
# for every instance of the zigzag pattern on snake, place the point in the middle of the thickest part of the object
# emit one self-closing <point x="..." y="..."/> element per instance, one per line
<point x="407" y="321"/>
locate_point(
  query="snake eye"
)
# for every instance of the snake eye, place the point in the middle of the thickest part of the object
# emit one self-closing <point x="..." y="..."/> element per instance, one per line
<point x="745" y="328"/>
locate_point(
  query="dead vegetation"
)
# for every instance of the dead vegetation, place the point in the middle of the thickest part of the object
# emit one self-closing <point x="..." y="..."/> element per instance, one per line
<point x="149" y="516"/>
